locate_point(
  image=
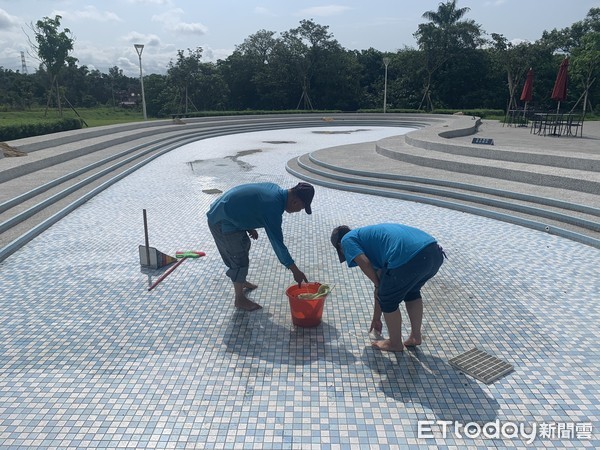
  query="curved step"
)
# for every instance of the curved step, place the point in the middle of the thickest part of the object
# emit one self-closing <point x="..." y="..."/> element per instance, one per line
<point x="573" y="160"/>
<point x="98" y="160"/>
<point x="345" y="168"/>
<point x="518" y="202"/>
<point x="542" y="175"/>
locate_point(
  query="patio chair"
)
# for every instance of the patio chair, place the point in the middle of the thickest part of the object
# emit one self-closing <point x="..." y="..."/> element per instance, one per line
<point x="574" y="125"/>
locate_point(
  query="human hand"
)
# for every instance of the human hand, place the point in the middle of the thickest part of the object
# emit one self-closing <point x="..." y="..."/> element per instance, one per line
<point x="299" y="276"/>
<point x="377" y="325"/>
<point x="375" y="330"/>
<point x="253" y="234"/>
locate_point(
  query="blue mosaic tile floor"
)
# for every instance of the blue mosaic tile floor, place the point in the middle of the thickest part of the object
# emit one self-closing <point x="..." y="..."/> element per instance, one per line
<point x="90" y="359"/>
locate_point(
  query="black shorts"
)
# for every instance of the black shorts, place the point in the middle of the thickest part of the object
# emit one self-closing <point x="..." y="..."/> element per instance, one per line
<point x="404" y="283"/>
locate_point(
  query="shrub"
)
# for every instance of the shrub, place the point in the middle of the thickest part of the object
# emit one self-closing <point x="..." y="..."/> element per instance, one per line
<point x="19" y="131"/>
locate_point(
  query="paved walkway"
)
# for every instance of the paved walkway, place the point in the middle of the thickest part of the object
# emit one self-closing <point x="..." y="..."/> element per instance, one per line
<point x="90" y="359"/>
<point x="510" y="137"/>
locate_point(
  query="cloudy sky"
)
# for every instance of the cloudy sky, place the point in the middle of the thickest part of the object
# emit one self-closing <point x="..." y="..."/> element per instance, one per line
<point x="105" y="30"/>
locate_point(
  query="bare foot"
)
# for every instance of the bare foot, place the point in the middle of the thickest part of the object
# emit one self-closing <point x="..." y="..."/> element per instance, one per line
<point x="246" y="304"/>
<point x="412" y="341"/>
<point x="386" y="345"/>
<point x="249" y="286"/>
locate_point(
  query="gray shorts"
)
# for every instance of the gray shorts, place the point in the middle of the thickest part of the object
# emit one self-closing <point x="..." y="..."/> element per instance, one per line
<point x="234" y="249"/>
<point x="405" y="282"/>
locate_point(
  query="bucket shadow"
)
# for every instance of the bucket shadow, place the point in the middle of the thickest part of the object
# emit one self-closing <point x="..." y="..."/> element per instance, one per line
<point x="416" y="377"/>
<point x="256" y="335"/>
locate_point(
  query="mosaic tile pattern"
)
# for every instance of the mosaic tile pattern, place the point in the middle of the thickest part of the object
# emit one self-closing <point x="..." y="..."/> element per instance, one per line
<point x="90" y="359"/>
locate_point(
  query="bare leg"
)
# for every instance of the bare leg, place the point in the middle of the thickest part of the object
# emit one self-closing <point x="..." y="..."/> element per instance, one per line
<point x="249" y="286"/>
<point x="393" y="321"/>
<point x="241" y="301"/>
<point x="415" y="315"/>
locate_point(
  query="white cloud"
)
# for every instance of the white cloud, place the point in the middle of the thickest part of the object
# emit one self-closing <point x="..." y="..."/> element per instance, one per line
<point x="7" y="21"/>
<point x="151" y="40"/>
<point x="191" y="28"/>
<point x="214" y="54"/>
<point x="89" y="13"/>
<point x="324" y="11"/>
<point x="172" y="21"/>
<point x="517" y="41"/>
<point x="262" y="11"/>
<point x="151" y="2"/>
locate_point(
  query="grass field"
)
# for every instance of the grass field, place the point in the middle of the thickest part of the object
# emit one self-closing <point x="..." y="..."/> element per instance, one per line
<point x="94" y="117"/>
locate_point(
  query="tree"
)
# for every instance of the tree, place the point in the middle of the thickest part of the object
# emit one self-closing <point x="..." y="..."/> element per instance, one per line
<point x="248" y="72"/>
<point x="514" y="60"/>
<point x="159" y="94"/>
<point x="52" y="48"/>
<point x="184" y="73"/>
<point x="582" y="42"/>
<point x="443" y="37"/>
<point x="586" y="64"/>
<point x="569" y="38"/>
<point x="16" y="89"/>
<point x="119" y="85"/>
<point x="308" y="47"/>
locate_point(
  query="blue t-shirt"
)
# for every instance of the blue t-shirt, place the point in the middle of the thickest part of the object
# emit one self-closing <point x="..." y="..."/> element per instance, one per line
<point x="387" y="245"/>
<point x="250" y="206"/>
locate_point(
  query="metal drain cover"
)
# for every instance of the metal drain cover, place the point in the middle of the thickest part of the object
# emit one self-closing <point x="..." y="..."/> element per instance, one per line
<point x="481" y="365"/>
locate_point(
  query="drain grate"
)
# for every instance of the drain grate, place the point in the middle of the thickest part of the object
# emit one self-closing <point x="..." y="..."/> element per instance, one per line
<point x="481" y="365"/>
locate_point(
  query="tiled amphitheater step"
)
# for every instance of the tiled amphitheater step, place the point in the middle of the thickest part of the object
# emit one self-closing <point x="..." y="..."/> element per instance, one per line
<point x="570" y="231"/>
<point x="540" y="175"/>
<point x="58" y="151"/>
<point x="449" y="185"/>
<point x="547" y="153"/>
<point x="58" y="161"/>
<point x="362" y="159"/>
<point x="542" y="205"/>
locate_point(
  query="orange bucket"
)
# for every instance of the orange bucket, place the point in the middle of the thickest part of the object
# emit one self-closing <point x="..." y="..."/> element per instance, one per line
<point x="306" y="313"/>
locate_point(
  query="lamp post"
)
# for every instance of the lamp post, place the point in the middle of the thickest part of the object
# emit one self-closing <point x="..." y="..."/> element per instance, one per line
<point x="386" y="61"/>
<point x="139" y="48"/>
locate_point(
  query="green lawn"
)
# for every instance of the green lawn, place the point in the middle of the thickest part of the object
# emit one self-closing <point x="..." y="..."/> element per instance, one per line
<point x="99" y="116"/>
<point x="94" y="117"/>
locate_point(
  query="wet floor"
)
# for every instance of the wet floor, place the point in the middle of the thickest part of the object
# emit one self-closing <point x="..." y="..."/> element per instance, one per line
<point x="90" y="359"/>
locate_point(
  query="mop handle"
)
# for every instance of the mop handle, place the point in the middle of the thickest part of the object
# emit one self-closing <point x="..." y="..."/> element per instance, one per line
<point x="164" y="275"/>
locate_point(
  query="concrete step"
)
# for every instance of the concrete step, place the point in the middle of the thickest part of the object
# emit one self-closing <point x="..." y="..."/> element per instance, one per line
<point x="539" y="170"/>
<point x="360" y="168"/>
<point x="61" y="171"/>
<point x="546" y="154"/>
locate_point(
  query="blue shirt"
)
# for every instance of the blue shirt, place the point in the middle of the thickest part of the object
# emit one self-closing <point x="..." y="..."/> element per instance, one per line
<point x="387" y="245"/>
<point x="250" y="206"/>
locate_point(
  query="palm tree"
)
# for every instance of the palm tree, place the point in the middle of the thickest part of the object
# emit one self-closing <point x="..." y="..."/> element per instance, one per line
<point x="447" y="15"/>
<point x="443" y="36"/>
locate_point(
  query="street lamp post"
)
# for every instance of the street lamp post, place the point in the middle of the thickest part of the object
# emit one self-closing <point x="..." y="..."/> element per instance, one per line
<point x="139" y="48"/>
<point x="386" y="61"/>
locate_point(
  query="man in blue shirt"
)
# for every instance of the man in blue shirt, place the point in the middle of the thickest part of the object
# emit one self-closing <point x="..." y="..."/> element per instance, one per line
<point x="399" y="260"/>
<point x="235" y="216"/>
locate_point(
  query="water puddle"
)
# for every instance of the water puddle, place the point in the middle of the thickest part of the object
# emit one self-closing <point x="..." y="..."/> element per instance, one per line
<point x="219" y="167"/>
<point x="340" y="131"/>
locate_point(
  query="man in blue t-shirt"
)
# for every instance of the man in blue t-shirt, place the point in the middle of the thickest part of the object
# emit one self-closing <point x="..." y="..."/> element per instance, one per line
<point x="399" y="260"/>
<point x="235" y="216"/>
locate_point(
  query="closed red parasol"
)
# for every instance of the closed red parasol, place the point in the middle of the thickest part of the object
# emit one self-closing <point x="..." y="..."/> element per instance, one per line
<point x="559" y="93"/>
<point x="527" y="93"/>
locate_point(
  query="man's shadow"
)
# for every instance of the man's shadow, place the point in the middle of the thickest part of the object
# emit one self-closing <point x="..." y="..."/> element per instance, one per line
<point x="256" y="335"/>
<point x="415" y="377"/>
